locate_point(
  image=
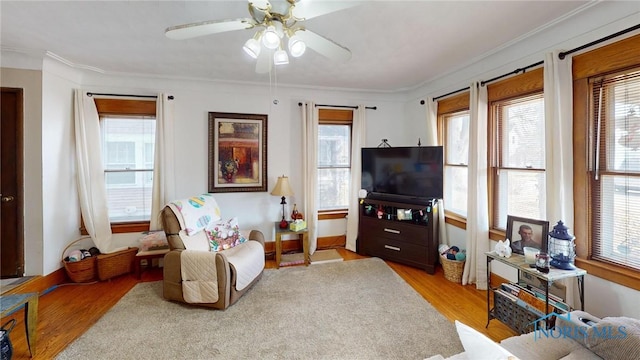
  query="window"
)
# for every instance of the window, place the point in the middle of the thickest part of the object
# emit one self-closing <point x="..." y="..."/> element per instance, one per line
<point x="127" y="129"/>
<point x="127" y="143"/>
<point x="518" y="158"/>
<point x="453" y="134"/>
<point x="456" y="161"/>
<point x="615" y="175"/>
<point x="334" y="159"/>
<point x="606" y="214"/>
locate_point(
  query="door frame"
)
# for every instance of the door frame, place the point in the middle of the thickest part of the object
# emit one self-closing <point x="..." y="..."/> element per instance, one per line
<point x="19" y="162"/>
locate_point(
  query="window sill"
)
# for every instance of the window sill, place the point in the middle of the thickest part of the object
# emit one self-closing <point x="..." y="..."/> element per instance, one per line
<point x="332" y="214"/>
<point x="610" y="272"/>
<point x="121" y="228"/>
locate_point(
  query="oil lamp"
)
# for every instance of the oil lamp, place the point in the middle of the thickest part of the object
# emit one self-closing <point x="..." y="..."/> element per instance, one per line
<point x="562" y="247"/>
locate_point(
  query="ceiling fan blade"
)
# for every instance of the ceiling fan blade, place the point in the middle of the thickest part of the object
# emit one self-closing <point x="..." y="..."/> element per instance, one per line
<point x="307" y="9"/>
<point x="259" y="4"/>
<point x="263" y="62"/>
<point x="324" y="46"/>
<point x="188" y="31"/>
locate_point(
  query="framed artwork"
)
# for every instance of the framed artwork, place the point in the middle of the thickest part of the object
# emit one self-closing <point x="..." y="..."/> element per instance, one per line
<point x="237" y="152"/>
<point x="523" y="232"/>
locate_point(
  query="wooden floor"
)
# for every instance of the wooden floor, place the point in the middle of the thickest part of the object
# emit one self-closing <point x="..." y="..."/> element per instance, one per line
<point x="67" y="311"/>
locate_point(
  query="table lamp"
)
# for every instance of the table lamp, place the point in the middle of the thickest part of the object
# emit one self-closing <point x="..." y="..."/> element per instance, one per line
<point x="283" y="189"/>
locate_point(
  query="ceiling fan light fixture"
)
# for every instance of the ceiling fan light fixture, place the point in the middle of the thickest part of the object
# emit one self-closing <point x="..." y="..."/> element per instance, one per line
<point x="297" y="47"/>
<point x="270" y="38"/>
<point x="252" y="47"/>
<point x="280" y="57"/>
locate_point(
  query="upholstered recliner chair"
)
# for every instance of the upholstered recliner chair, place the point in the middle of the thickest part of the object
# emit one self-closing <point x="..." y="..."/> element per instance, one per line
<point x="230" y="273"/>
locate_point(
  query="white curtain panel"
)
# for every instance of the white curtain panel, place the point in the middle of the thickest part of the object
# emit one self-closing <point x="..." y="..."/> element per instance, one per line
<point x="310" y="171"/>
<point x="475" y="268"/>
<point x="163" y="169"/>
<point x="432" y="140"/>
<point x="358" y="131"/>
<point x="90" y="173"/>
<point x="558" y="113"/>
<point x="558" y="106"/>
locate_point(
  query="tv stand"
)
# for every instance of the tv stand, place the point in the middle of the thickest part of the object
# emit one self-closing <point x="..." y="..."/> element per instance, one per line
<point x="403" y="231"/>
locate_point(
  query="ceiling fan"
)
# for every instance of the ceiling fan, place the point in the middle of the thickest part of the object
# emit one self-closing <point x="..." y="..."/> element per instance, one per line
<point x="276" y="21"/>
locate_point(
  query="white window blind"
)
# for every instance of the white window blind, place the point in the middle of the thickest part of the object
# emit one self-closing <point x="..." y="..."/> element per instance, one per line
<point x="615" y="175"/>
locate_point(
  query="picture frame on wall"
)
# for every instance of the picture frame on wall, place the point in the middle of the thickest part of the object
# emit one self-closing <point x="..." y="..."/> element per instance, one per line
<point x="237" y="152"/>
<point x="523" y="232"/>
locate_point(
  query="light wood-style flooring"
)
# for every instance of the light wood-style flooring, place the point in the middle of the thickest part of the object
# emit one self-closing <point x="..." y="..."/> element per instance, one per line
<point x="67" y="311"/>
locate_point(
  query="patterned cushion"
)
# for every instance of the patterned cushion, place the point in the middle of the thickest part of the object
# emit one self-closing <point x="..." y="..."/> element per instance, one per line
<point x="224" y="235"/>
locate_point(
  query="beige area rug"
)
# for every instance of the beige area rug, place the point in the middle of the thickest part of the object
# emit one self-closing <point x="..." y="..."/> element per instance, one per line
<point x="357" y="309"/>
<point x="318" y="257"/>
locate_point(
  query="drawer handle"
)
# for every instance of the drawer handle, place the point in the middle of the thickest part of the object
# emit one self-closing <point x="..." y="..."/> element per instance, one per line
<point x="392" y="231"/>
<point x="392" y="247"/>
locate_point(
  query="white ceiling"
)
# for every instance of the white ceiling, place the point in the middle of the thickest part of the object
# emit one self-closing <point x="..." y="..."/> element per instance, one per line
<point x="396" y="45"/>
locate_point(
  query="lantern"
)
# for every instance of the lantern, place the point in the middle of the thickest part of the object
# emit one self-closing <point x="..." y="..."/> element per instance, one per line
<point x="562" y="247"/>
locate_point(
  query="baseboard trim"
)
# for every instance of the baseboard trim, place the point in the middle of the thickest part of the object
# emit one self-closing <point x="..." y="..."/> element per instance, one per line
<point x="41" y="283"/>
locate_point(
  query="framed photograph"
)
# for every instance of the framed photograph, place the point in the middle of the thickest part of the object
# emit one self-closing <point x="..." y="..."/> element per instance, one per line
<point x="237" y="152"/>
<point x="523" y="232"/>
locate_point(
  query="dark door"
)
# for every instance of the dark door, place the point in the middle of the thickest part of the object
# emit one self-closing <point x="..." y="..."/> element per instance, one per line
<point x="11" y="235"/>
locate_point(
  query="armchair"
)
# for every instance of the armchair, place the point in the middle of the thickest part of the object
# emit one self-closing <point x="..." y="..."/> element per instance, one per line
<point x="222" y="264"/>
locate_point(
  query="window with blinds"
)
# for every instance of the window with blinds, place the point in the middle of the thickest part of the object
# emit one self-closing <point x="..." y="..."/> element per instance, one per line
<point x="334" y="159"/>
<point x="456" y="161"/>
<point x="518" y="148"/>
<point x="615" y="168"/>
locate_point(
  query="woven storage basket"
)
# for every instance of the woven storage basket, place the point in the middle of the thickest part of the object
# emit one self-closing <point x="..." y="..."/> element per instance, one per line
<point x="80" y="271"/>
<point x="117" y="263"/>
<point x="452" y="269"/>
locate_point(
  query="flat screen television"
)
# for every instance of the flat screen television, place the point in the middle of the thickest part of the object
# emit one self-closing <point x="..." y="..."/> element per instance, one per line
<point x="403" y="173"/>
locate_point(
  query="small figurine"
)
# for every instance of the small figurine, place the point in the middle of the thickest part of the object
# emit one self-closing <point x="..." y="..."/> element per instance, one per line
<point x="503" y="248"/>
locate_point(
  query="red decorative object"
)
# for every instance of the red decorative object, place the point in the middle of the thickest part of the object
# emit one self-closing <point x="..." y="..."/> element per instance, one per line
<point x="284" y="224"/>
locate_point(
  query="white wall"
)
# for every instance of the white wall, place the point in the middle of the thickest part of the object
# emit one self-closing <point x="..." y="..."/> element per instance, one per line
<point x="195" y="99"/>
<point x="602" y="298"/>
<point x="60" y="210"/>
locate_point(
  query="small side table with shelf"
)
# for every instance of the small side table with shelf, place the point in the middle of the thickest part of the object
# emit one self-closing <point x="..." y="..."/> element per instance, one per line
<point x="303" y="235"/>
<point x="518" y="262"/>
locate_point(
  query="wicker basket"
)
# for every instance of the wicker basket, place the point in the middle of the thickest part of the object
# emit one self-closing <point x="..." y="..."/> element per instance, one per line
<point x="117" y="263"/>
<point x="452" y="269"/>
<point x="80" y="271"/>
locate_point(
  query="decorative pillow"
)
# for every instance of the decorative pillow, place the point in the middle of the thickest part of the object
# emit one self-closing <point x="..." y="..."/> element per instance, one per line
<point x="224" y="235"/>
<point x="615" y="338"/>
<point x="198" y="212"/>
<point x="478" y="346"/>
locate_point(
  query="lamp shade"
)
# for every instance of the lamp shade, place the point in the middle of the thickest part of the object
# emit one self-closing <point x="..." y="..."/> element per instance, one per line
<point x="282" y="187"/>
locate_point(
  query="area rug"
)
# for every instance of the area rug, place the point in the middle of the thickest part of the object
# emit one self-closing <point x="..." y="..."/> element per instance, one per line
<point x="357" y="309"/>
<point x="318" y="257"/>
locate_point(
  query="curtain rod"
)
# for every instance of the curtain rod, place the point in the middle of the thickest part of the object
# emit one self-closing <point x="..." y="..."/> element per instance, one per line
<point x="563" y="54"/>
<point x="170" y="97"/>
<point x="447" y="94"/>
<point x="344" y="106"/>
<point x="514" y="72"/>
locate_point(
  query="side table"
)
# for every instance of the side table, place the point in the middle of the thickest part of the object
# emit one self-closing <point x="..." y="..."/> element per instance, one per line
<point x="148" y="256"/>
<point x="302" y="234"/>
<point x="10" y="303"/>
